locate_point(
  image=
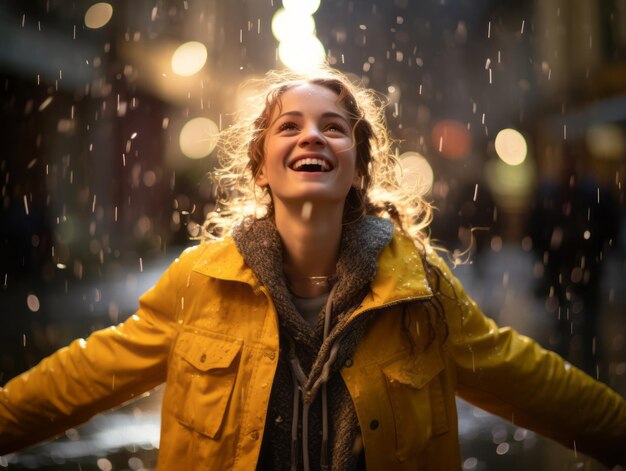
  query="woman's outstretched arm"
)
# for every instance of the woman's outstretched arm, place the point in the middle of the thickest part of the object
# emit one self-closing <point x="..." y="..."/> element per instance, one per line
<point x="512" y="376"/>
<point x="89" y="376"/>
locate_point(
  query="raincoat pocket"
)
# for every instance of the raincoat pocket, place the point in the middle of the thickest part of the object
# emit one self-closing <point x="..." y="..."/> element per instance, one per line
<point x="205" y="371"/>
<point x="416" y="397"/>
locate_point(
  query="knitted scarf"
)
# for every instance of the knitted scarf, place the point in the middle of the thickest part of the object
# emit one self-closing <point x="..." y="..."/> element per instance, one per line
<point x="259" y="243"/>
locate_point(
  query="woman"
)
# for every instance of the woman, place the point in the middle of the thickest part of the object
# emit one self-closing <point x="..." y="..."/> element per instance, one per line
<point x="322" y="331"/>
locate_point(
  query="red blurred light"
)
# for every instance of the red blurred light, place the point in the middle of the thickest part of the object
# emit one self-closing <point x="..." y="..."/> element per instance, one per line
<point x="451" y="139"/>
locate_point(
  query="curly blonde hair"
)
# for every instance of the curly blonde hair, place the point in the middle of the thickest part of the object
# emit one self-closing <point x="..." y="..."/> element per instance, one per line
<point x="241" y="154"/>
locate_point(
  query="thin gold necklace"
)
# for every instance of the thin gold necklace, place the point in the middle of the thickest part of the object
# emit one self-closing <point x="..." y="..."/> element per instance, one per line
<point x="319" y="280"/>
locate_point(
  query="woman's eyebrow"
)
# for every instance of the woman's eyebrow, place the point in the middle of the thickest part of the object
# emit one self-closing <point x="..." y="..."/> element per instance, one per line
<point x="328" y="114"/>
<point x="332" y="114"/>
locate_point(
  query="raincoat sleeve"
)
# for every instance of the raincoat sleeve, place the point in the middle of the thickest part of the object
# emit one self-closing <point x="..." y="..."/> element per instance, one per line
<point x="89" y="376"/>
<point x="511" y="376"/>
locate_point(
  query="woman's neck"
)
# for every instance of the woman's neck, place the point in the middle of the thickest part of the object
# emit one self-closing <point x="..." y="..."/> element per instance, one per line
<point x="311" y="239"/>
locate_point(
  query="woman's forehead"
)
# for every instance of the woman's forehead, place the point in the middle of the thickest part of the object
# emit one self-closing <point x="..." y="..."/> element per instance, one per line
<point x="309" y="97"/>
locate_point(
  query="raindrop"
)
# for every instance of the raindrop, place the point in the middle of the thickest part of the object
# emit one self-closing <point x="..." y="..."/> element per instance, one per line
<point x="135" y="463"/>
<point x="45" y="103"/>
<point x="32" y="301"/>
<point x="307" y="209"/>
<point x="520" y="434"/>
<point x="98" y="15"/>
<point x="503" y="448"/>
<point x="496" y="243"/>
<point x="470" y="463"/>
<point x="104" y="464"/>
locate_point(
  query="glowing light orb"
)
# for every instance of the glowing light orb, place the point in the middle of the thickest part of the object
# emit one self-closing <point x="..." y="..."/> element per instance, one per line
<point x="98" y="15"/>
<point x="189" y="58"/>
<point x="511" y="185"/>
<point x="198" y="138"/>
<point x="287" y="25"/>
<point x="417" y="174"/>
<point x="511" y="146"/>
<point x="302" y="54"/>
<point x="305" y="7"/>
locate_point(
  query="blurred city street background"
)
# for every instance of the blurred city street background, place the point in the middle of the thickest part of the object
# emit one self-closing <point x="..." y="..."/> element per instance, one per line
<point x="510" y="117"/>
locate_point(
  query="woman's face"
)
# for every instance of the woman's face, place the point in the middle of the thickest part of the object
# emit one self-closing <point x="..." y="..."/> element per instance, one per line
<point x="309" y="152"/>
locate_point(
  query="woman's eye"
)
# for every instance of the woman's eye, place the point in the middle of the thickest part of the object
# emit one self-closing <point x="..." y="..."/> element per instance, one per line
<point x="287" y="126"/>
<point x="335" y="128"/>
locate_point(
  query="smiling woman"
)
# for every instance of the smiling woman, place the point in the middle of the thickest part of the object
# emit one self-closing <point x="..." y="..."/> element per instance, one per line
<point x="309" y="153"/>
<point x="314" y="327"/>
<point x="352" y="111"/>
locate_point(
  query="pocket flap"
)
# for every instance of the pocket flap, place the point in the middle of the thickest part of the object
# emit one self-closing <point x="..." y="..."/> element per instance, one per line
<point x="206" y="352"/>
<point x="415" y="370"/>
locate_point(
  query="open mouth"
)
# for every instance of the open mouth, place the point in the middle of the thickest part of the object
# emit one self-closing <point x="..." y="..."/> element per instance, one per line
<point x="311" y="165"/>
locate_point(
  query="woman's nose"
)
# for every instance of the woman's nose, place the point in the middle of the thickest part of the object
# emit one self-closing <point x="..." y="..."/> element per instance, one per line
<point x="311" y="135"/>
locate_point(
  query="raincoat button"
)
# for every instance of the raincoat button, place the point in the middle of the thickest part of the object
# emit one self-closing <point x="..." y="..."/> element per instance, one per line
<point x="203" y="358"/>
<point x="271" y="355"/>
<point x="254" y="435"/>
<point x="348" y="363"/>
<point x="374" y="424"/>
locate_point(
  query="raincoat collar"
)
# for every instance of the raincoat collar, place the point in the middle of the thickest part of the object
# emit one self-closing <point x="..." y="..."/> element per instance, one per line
<point x="401" y="274"/>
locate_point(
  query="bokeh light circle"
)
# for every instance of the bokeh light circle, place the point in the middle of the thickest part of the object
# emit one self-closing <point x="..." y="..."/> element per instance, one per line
<point x="198" y="138"/>
<point x="189" y="58"/>
<point x="302" y="54"/>
<point x="511" y="146"/>
<point x="288" y="25"/>
<point x="98" y="15"/>
<point x="416" y="173"/>
<point x="451" y="139"/>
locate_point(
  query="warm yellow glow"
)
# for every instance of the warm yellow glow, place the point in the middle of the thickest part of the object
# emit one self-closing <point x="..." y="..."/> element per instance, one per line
<point x="417" y="174"/>
<point x="189" y="58"/>
<point x="198" y="138"/>
<point x="511" y="146"/>
<point x="302" y="54"/>
<point x="512" y="186"/>
<point x="288" y="25"/>
<point x="606" y="141"/>
<point x="306" y="7"/>
<point x="98" y="15"/>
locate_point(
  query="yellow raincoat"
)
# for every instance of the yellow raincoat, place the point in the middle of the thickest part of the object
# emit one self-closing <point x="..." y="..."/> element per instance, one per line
<point x="210" y="331"/>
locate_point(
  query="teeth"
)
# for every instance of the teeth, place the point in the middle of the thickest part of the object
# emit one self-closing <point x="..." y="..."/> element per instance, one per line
<point x="321" y="162"/>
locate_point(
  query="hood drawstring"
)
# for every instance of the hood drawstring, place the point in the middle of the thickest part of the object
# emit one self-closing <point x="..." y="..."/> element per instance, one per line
<point x="308" y="395"/>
